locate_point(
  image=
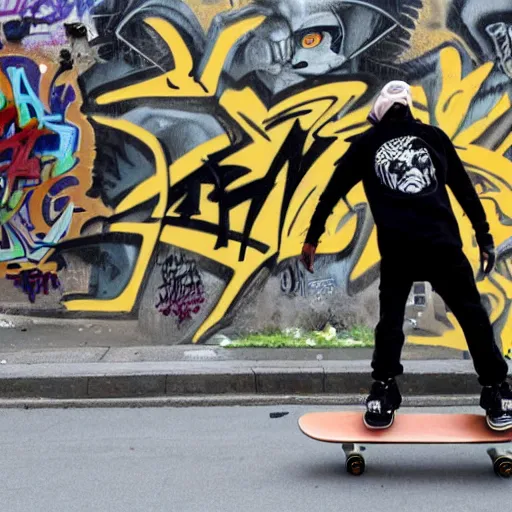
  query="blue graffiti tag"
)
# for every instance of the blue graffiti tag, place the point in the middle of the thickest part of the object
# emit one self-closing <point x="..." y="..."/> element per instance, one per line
<point x="47" y="11"/>
<point x="30" y="106"/>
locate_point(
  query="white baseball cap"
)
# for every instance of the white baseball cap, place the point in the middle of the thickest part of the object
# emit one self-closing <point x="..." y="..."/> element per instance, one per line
<point x="393" y="92"/>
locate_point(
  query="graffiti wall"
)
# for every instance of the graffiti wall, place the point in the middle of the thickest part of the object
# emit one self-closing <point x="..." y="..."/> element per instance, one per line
<point x="180" y="169"/>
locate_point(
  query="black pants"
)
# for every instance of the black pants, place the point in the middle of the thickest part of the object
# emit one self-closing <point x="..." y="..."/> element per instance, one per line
<point x="451" y="276"/>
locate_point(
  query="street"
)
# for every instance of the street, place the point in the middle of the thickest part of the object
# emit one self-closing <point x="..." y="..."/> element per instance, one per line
<point x="223" y="459"/>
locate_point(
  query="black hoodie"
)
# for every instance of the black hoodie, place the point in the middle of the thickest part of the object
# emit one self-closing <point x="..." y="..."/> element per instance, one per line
<point x="405" y="166"/>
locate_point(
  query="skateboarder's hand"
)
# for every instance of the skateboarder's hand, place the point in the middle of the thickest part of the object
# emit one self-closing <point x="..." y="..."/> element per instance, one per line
<point x="487" y="259"/>
<point x="308" y="256"/>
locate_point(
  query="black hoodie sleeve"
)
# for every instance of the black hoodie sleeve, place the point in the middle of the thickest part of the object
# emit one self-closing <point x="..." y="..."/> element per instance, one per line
<point x="345" y="176"/>
<point x="460" y="183"/>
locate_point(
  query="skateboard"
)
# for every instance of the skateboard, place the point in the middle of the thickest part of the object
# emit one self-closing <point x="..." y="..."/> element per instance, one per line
<point x="348" y="429"/>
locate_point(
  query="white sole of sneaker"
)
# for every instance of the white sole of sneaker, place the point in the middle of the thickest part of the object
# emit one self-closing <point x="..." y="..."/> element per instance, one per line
<point x="497" y="428"/>
<point x="370" y="427"/>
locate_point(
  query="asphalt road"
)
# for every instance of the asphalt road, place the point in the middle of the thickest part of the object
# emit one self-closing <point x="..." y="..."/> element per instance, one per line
<point x="225" y="460"/>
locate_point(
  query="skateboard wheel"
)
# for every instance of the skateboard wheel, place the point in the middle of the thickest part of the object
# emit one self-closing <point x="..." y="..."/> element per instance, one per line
<point x="355" y="464"/>
<point x="503" y="467"/>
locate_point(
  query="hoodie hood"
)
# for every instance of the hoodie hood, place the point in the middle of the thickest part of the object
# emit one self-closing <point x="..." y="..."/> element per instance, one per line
<point x="393" y="92"/>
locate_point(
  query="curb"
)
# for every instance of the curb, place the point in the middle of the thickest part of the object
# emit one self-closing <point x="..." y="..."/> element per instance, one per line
<point x="75" y="381"/>
<point x="231" y="401"/>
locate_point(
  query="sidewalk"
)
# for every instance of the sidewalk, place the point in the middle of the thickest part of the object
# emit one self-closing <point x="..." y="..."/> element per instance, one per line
<point x="80" y="363"/>
<point x="204" y="371"/>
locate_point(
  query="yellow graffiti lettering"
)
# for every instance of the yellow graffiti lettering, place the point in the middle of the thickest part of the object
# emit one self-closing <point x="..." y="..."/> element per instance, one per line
<point x="266" y="143"/>
<point x="179" y="82"/>
<point x="277" y="227"/>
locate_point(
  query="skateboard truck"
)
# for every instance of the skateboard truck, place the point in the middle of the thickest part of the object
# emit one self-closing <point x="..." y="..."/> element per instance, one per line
<point x="354" y="460"/>
<point x="501" y="461"/>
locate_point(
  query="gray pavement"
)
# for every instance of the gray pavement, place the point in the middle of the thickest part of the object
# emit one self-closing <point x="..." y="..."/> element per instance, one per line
<point x="37" y="333"/>
<point x="192" y="353"/>
<point x="223" y="460"/>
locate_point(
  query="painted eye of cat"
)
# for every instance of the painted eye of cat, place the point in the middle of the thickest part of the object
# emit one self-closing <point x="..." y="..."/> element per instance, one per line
<point x="311" y="40"/>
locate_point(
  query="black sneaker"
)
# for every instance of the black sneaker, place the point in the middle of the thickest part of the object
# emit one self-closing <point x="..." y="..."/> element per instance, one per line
<point x="384" y="399"/>
<point x="497" y="402"/>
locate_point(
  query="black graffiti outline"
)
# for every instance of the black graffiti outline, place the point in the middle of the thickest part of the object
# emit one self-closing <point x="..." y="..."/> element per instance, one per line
<point x="213" y="172"/>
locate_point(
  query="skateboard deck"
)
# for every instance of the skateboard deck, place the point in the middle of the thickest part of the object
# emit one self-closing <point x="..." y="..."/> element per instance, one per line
<point x="348" y="427"/>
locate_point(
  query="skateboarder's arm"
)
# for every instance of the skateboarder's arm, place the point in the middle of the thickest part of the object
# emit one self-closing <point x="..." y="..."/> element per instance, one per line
<point x="460" y="183"/>
<point x="346" y="175"/>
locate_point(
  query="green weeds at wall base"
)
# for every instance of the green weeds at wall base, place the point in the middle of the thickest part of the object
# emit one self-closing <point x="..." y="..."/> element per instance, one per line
<point x="357" y="337"/>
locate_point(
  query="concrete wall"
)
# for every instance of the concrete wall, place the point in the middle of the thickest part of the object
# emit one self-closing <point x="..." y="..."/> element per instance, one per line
<point x="162" y="158"/>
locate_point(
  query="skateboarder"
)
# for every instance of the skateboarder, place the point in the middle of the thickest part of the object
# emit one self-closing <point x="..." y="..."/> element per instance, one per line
<point x="405" y="166"/>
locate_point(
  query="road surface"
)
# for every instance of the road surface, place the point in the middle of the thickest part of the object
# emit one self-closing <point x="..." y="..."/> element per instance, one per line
<point x="223" y="459"/>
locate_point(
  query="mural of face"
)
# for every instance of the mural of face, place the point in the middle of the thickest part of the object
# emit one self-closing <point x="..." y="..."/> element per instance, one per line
<point x="317" y="45"/>
<point x="299" y="39"/>
<point x="404" y="164"/>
